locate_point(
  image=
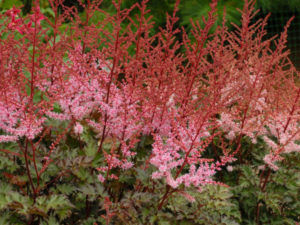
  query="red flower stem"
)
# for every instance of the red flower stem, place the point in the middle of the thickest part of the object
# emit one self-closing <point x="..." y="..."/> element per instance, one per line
<point x="164" y="198"/>
<point x="166" y="195"/>
<point x="33" y="64"/>
<point x="292" y="111"/>
<point x="34" y="162"/>
<point x="257" y="213"/>
<point x="28" y="171"/>
<point x="266" y="181"/>
<point x="115" y="59"/>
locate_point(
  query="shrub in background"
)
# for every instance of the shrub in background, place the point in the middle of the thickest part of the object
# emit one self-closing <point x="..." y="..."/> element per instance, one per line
<point x="102" y="122"/>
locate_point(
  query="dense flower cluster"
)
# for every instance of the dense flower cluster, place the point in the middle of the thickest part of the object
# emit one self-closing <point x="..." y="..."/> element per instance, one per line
<point x="224" y="85"/>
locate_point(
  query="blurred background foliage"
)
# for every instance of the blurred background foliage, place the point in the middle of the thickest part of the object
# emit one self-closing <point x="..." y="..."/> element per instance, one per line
<point x="281" y="11"/>
<point x="188" y="9"/>
<point x="279" y="5"/>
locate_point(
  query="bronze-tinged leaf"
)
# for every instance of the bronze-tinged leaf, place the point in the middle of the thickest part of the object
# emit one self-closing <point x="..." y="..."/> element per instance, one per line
<point x="13" y="179"/>
<point x="37" y="211"/>
<point x="16" y="205"/>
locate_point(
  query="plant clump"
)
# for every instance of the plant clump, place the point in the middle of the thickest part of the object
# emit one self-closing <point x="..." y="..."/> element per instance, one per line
<point x="109" y="114"/>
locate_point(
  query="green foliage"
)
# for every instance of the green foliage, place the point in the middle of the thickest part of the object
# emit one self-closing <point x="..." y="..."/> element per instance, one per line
<point x="7" y="4"/>
<point x="213" y="205"/>
<point x="279" y="5"/>
<point x="196" y="9"/>
<point x="278" y="202"/>
<point x="71" y="193"/>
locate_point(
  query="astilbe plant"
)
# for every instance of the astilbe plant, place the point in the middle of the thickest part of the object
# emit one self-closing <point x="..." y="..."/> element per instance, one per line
<point x="123" y="83"/>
